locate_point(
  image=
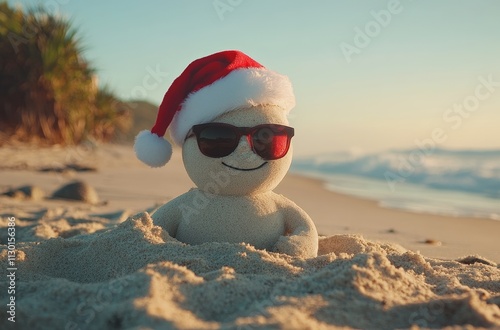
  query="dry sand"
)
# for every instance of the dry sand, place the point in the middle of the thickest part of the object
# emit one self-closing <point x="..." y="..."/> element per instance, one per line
<point x="82" y="266"/>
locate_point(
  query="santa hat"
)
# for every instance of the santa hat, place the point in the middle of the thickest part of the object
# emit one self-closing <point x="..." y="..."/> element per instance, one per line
<point x="208" y="88"/>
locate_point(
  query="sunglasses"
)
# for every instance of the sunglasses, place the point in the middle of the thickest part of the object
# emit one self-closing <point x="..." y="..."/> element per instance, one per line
<point x="269" y="141"/>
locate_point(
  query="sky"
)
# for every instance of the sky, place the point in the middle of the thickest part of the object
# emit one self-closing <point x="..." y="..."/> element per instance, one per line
<point x="367" y="75"/>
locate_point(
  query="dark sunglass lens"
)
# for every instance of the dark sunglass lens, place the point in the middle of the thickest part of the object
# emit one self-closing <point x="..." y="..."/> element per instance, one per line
<point x="217" y="141"/>
<point x="271" y="142"/>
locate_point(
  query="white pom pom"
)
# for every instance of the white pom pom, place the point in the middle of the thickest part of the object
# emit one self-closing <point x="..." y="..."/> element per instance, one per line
<point x="152" y="149"/>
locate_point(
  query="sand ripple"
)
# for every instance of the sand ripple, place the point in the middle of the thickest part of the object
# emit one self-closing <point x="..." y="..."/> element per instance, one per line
<point x="106" y="275"/>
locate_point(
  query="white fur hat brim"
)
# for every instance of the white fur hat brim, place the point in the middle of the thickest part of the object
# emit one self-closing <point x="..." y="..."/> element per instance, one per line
<point x="240" y="88"/>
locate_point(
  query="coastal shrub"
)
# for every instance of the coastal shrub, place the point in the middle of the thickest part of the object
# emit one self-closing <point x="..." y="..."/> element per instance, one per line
<point x="49" y="93"/>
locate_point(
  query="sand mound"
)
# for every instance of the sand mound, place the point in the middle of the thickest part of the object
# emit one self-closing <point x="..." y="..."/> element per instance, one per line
<point x="134" y="274"/>
<point x="78" y="191"/>
<point x="26" y="193"/>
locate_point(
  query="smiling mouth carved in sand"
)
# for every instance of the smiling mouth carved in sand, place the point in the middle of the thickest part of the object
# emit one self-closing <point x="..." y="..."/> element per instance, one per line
<point x="244" y="169"/>
<point x="235" y="203"/>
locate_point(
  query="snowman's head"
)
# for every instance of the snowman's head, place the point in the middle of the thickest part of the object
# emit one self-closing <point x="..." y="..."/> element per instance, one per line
<point x="229" y="114"/>
<point x="242" y="152"/>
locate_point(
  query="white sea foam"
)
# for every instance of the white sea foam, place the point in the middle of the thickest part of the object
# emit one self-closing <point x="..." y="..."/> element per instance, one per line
<point x="452" y="182"/>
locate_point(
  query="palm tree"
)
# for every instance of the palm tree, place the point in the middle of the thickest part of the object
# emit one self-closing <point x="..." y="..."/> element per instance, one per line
<point x="48" y="92"/>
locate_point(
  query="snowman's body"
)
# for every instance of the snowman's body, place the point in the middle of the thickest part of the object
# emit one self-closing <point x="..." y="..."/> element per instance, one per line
<point x="260" y="220"/>
<point x="251" y="219"/>
<point x="234" y="201"/>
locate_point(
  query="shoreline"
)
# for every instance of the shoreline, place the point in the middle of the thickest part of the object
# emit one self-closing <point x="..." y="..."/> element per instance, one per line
<point x="447" y="237"/>
<point x="381" y="202"/>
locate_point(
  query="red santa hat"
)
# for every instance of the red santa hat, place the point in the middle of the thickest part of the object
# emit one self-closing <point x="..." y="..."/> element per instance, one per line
<point x="206" y="89"/>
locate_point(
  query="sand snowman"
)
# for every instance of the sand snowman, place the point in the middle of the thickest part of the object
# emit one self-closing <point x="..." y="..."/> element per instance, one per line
<point x="229" y="114"/>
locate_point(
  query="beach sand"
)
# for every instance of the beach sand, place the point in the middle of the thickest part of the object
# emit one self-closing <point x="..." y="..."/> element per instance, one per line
<point x="106" y="266"/>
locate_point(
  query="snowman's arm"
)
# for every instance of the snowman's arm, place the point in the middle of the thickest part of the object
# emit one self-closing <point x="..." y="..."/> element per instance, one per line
<point x="298" y="222"/>
<point x="300" y="237"/>
<point x="169" y="215"/>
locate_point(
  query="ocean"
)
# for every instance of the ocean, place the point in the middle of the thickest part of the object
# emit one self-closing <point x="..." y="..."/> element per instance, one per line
<point x="462" y="183"/>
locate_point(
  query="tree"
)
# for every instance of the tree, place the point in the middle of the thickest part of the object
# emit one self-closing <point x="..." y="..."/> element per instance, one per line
<point x="48" y="91"/>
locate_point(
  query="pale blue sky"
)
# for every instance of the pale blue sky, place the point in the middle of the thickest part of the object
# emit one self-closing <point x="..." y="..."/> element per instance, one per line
<point x="395" y="90"/>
